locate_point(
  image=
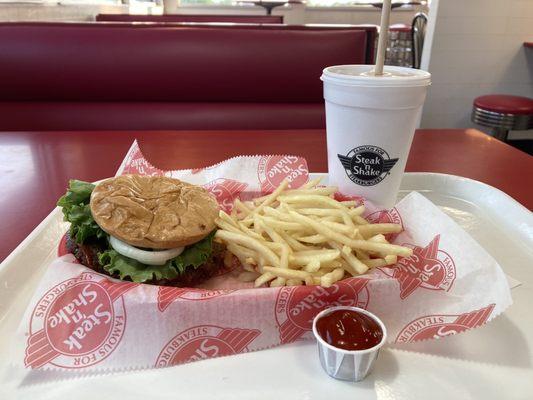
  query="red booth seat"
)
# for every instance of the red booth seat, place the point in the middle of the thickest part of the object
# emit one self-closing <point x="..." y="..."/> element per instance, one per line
<point x="256" y="19"/>
<point x="148" y="76"/>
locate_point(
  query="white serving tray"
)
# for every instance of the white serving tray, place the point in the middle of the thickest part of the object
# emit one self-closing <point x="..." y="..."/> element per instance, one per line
<point x="492" y="362"/>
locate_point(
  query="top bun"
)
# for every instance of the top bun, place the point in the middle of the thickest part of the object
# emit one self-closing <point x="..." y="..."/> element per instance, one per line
<point x="153" y="212"/>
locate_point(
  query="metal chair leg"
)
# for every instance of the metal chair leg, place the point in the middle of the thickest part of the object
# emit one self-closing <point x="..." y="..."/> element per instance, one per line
<point x="500" y="134"/>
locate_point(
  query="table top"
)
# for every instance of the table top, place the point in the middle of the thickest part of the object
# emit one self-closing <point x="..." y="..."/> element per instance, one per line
<point x="36" y="166"/>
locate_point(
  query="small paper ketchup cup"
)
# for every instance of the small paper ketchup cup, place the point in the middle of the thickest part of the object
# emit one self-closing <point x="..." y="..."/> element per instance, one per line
<point x="349" y="339"/>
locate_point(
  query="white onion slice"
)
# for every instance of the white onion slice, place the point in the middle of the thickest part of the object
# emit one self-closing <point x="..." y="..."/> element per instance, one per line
<point x="156" y="257"/>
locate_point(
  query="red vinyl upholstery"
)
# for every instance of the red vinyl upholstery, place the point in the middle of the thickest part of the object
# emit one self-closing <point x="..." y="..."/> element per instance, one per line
<point x="256" y="19"/>
<point x="58" y="76"/>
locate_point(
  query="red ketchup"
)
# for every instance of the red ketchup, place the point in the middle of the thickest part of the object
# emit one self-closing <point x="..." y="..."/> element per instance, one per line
<point x="349" y="330"/>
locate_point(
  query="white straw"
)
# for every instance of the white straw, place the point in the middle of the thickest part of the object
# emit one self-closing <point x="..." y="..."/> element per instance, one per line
<point x="383" y="35"/>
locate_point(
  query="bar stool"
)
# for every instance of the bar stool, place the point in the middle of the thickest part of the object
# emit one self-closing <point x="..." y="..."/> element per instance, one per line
<point x="503" y="113"/>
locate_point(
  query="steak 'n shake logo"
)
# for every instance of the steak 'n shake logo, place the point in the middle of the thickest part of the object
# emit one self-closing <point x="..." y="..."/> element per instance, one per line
<point x="205" y="341"/>
<point x="273" y="169"/>
<point x="438" y="326"/>
<point x="77" y="323"/>
<point x="166" y="295"/>
<point x="135" y="163"/>
<point x="225" y="191"/>
<point x="297" y="306"/>
<point x="367" y="165"/>
<point x="428" y="268"/>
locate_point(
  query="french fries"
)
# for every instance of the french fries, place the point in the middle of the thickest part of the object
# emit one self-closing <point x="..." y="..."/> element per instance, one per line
<point x="304" y="237"/>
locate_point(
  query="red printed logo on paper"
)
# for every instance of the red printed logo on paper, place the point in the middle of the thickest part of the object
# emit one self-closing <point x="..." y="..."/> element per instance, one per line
<point x="166" y="295"/>
<point x="137" y="164"/>
<point x="77" y="323"/>
<point x="297" y="306"/>
<point x="225" y="191"/>
<point x="206" y="341"/>
<point x="428" y="268"/>
<point x="386" y="217"/>
<point x="346" y="197"/>
<point x="438" y="326"/>
<point x="272" y="170"/>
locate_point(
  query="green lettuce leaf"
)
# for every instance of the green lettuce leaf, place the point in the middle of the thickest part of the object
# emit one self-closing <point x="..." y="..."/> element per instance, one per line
<point x="76" y="210"/>
<point x="124" y="267"/>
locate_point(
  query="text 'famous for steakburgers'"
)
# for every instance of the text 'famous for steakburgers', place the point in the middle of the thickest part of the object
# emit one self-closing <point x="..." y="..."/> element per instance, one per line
<point x="154" y="230"/>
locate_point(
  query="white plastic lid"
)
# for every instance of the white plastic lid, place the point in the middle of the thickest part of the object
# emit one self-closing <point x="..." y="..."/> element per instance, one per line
<point x="363" y="75"/>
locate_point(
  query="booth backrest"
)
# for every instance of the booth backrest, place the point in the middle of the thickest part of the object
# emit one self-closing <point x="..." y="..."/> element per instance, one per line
<point x="257" y="19"/>
<point x="73" y="62"/>
<point x="66" y="76"/>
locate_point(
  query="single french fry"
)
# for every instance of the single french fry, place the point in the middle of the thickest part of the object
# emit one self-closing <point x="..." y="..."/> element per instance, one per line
<point x="225" y="217"/>
<point x="312" y="266"/>
<point x="332" y="277"/>
<point x="360" y="220"/>
<point x="379" y="238"/>
<point x="287" y="273"/>
<point x="309" y="185"/>
<point x="293" y="243"/>
<point x="357" y="210"/>
<point x="249" y="242"/>
<point x="294" y="282"/>
<point x="271" y="198"/>
<point x="247" y="231"/>
<point x="313" y="239"/>
<point x="243" y="208"/>
<point x="319" y="191"/>
<point x="264" y="278"/>
<point x="275" y="213"/>
<point x="375" y="262"/>
<point x="369" y="230"/>
<point x="288" y="226"/>
<point x="305" y="257"/>
<point x="320" y="200"/>
<point x="391" y="259"/>
<point x="279" y="281"/>
<point x="222" y="224"/>
<point x="310" y="280"/>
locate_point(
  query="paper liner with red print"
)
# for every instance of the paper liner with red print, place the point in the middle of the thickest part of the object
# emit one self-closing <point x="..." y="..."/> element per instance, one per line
<point x="77" y="323"/>
<point x="205" y="341"/>
<point x="438" y="326"/>
<point x="77" y="318"/>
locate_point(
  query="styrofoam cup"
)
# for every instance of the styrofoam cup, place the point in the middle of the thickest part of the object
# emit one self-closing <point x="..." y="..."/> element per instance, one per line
<point x="370" y="123"/>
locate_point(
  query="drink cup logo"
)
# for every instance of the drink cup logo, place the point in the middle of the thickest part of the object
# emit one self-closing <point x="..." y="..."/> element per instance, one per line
<point x="273" y="169"/>
<point x="166" y="295"/>
<point x="437" y="326"/>
<point x="428" y="268"/>
<point x="205" y="341"/>
<point x="297" y="306"/>
<point x="225" y="191"/>
<point x="77" y="323"/>
<point x="391" y="216"/>
<point x="367" y="165"/>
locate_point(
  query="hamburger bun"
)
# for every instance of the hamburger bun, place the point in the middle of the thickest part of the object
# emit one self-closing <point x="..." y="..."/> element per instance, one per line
<point x="153" y="212"/>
